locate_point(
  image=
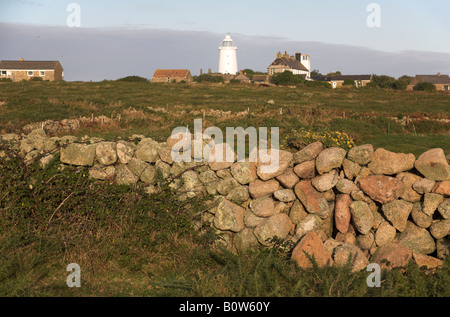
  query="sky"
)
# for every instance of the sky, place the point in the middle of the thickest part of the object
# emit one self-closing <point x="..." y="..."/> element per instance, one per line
<point x="112" y="39"/>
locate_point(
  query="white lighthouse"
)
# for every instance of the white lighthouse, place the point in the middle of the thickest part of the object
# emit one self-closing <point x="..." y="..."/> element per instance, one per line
<point x="228" y="57"/>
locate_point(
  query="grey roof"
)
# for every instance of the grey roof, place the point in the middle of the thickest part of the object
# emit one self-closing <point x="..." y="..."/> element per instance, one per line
<point x="292" y="64"/>
<point x="434" y="79"/>
<point x="29" y="65"/>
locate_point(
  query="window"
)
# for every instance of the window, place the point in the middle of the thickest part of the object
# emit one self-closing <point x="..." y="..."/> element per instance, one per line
<point x="3" y="73"/>
<point x="42" y="73"/>
<point x="30" y="73"/>
<point x="447" y="87"/>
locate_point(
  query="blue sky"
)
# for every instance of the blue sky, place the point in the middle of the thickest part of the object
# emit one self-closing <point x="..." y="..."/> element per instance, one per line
<point x="419" y="26"/>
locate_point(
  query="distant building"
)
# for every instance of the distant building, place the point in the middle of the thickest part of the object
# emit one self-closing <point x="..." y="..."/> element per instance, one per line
<point x="442" y="82"/>
<point x="242" y="78"/>
<point x="172" y="76"/>
<point x="338" y="81"/>
<point x="25" y="70"/>
<point x="228" y="57"/>
<point x="261" y="79"/>
<point x="300" y="64"/>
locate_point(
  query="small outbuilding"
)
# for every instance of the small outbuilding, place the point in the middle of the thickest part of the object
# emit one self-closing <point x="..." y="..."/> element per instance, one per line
<point x="172" y="76"/>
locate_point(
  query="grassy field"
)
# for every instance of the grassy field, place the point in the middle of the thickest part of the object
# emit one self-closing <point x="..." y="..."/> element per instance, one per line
<point x="131" y="244"/>
<point x="155" y="109"/>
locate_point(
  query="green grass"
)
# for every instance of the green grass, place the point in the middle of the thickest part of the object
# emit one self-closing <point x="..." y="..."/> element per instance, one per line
<point x="363" y="113"/>
<point x="130" y="244"/>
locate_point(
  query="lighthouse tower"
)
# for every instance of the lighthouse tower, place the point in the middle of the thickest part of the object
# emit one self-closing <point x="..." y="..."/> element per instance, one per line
<point x="228" y="57"/>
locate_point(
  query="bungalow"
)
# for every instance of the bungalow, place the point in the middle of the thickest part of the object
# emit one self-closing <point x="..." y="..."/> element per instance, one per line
<point x="25" y="70"/>
<point x="172" y="75"/>
<point x="338" y="81"/>
<point x="442" y="82"/>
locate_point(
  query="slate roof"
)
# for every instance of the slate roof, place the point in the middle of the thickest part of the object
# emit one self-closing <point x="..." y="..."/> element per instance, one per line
<point x="292" y="64"/>
<point x="434" y="79"/>
<point x="29" y="65"/>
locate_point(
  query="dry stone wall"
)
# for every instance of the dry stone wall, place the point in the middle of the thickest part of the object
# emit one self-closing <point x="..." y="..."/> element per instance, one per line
<point x="375" y="205"/>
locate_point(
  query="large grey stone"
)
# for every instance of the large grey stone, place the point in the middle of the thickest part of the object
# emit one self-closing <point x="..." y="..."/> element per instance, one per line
<point x="390" y="163"/>
<point x="409" y="180"/>
<point x="285" y="195"/>
<point x="125" y="151"/>
<point x="433" y="165"/>
<point x="345" y="252"/>
<point x="78" y="154"/>
<point x="308" y="153"/>
<point x="263" y="207"/>
<point x="417" y="239"/>
<point x="277" y="226"/>
<point x="397" y="212"/>
<point x="440" y="229"/>
<point x="245" y="241"/>
<point x="431" y="202"/>
<point x="444" y="209"/>
<point x="330" y="159"/>
<point x="244" y="172"/>
<point x="325" y="181"/>
<point x="274" y="164"/>
<point x="420" y="218"/>
<point x="229" y="216"/>
<point x="385" y="234"/>
<point x="226" y="185"/>
<point x="308" y="224"/>
<point x="147" y="150"/>
<point x="106" y="153"/>
<point x="362" y="216"/>
<point x="238" y="195"/>
<point x="124" y="176"/>
<point x="361" y="155"/>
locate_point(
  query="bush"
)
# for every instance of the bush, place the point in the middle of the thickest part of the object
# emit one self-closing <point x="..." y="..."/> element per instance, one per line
<point x="424" y="86"/>
<point x="133" y="79"/>
<point x="402" y="83"/>
<point x="287" y="78"/>
<point x="303" y="137"/>
<point x="6" y="80"/>
<point x="322" y="84"/>
<point x="349" y="82"/>
<point x="36" y="79"/>
<point x="208" y="78"/>
<point x="383" y="81"/>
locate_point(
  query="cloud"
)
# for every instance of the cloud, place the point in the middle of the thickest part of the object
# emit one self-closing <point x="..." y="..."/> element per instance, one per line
<point x="97" y="54"/>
